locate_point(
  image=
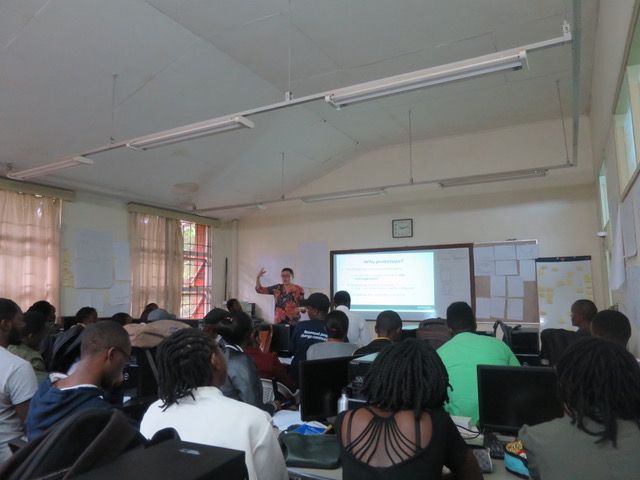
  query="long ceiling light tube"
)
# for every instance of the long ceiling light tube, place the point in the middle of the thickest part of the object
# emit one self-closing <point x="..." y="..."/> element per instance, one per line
<point x="493" y="177"/>
<point x="50" y="168"/>
<point x="189" y="132"/>
<point x="373" y="192"/>
<point x="407" y="82"/>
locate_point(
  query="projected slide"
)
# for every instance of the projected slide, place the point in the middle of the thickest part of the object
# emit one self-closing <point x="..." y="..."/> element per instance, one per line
<point x="401" y="281"/>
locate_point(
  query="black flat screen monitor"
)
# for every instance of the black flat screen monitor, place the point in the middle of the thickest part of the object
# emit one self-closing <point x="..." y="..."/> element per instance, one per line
<point x="510" y="397"/>
<point x="321" y="384"/>
<point x="280" y="339"/>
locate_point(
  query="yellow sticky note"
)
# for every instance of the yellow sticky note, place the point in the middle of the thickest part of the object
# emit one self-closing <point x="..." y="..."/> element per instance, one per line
<point x="580" y="290"/>
<point x="554" y="269"/>
<point x="580" y="268"/>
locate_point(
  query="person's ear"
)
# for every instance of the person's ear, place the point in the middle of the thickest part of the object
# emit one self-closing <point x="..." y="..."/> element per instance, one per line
<point x="6" y="325"/>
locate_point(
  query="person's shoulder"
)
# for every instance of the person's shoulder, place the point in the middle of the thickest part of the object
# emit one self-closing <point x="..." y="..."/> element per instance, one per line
<point x="543" y="432"/>
<point x="12" y="362"/>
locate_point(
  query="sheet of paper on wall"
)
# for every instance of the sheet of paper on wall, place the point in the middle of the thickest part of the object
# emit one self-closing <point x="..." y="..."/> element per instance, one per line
<point x="527" y="251"/>
<point x="515" y="287"/>
<point x="515" y="309"/>
<point x="483" y="308"/>
<point x="122" y="265"/>
<point x="498" y="286"/>
<point x="504" y="252"/>
<point x="274" y="264"/>
<point x="628" y="228"/>
<point x="92" y="245"/>
<point x="506" y="267"/>
<point x="93" y="274"/>
<point x="313" y="265"/>
<point x="483" y="261"/>
<point x="528" y="270"/>
<point x="86" y="298"/>
<point x="120" y="293"/>
<point x="497" y="307"/>
<point x="110" y="310"/>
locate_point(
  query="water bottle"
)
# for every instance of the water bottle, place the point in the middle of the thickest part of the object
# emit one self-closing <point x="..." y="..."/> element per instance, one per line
<point x="343" y="402"/>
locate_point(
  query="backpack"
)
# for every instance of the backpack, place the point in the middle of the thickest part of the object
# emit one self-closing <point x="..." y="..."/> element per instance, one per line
<point x="434" y="331"/>
<point x="63" y="349"/>
<point x="77" y="444"/>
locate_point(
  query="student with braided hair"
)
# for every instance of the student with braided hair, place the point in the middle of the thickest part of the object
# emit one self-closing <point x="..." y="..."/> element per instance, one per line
<point x="191" y="369"/>
<point x="599" y="385"/>
<point x="404" y="433"/>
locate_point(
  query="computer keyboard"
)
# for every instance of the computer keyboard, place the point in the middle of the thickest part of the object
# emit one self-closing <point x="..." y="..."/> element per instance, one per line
<point x="494" y="444"/>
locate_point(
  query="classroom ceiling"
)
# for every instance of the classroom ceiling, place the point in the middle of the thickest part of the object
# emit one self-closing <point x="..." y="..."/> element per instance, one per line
<point x="78" y="74"/>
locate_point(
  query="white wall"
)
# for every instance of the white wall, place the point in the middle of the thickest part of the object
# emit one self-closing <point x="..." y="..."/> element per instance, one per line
<point x="106" y="215"/>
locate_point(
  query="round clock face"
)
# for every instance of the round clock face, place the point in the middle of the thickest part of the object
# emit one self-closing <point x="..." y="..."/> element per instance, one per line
<point x="402" y="228"/>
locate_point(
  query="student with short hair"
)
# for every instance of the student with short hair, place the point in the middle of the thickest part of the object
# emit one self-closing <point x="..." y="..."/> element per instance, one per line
<point x="461" y="356"/>
<point x="583" y="312"/>
<point x="233" y="305"/>
<point x="403" y="432"/>
<point x="613" y="326"/>
<point x="17" y="380"/>
<point x="191" y="370"/>
<point x="147" y="310"/>
<point x="358" y="330"/>
<point x="310" y="331"/>
<point x="337" y="324"/>
<point x="105" y="351"/>
<point x="122" y="318"/>
<point x="31" y="336"/>
<point x="599" y="386"/>
<point x="388" y="330"/>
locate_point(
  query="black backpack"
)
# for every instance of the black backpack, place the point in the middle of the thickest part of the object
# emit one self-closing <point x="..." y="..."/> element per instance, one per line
<point x="77" y="444"/>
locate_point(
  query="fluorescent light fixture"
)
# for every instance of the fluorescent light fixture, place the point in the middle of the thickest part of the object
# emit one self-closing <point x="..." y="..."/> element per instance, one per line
<point x="406" y="82"/>
<point x="189" y="132"/>
<point x="342" y="195"/>
<point x="493" y="177"/>
<point x="50" y="168"/>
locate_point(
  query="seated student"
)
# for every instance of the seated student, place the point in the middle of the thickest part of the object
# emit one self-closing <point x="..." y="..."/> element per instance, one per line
<point x="45" y="308"/>
<point x="599" y="386"/>
<point x="148" y="309"/>
<point x="613" y="326"/>
<point x="105" y="351"/>
<point x="583" y="312"/>
<point x="388" y="330"/>
<point x="17" y="380"/>
<point x="233" y="305"/>
<point x="269" y="366"/>
<point x="159" y="314"/>
<point x="358" y="330"/>
<point x="404" y="433"/>
<point x="211" y="323"/>
<point x="243" y="382"/>
<point x="462" y="355"/>
<point x="122" y="318"/>
<point x="335" y="346"/>
<point x="34" y="330"/>
<point x="309" y="331"/>
<point x="191" y="369"/>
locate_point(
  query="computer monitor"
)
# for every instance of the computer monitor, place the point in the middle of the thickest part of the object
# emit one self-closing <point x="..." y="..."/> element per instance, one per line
<point x="409" y="331"/>
<point x="510" y="397"/>
<point x="321" y="384"/>
<point x="280" y="339"/>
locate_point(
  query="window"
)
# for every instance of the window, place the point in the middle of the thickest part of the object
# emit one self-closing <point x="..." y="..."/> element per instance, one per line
<point x="196" y="277"/>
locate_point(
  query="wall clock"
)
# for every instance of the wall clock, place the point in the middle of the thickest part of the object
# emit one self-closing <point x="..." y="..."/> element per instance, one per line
<point x="402" y="228"/>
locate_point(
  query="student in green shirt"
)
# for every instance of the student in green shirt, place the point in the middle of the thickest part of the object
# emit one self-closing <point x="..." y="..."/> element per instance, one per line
<point x="463" y="353"/>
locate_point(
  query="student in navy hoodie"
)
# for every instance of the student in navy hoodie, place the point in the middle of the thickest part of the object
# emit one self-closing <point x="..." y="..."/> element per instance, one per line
<point x="105" y="351"/>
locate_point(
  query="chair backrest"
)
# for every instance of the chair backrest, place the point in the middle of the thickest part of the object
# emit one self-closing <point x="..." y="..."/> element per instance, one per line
<point x="554" y="341"/>
<point x="265" y="334"/>
<point x="268" y="393"/>
<point x="434" y="331"/>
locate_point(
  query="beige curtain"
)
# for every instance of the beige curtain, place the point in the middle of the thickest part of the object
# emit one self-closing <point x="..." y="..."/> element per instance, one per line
<point x="29" y="248"/>
<point x="156" y="262"/>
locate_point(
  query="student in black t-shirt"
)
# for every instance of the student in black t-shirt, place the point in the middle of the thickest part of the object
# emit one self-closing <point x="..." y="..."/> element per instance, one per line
<point x="404" y="433"/>
<point x="310" y="331"/>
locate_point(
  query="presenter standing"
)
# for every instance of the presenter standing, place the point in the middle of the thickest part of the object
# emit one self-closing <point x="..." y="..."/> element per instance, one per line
<point x="288" y="296"/>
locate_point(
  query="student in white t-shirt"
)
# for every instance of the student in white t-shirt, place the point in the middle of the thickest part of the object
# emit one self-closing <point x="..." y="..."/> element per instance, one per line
<point x="358" y="330"/>
<point x="17" y="379"/>
<point x="191" y="368"/>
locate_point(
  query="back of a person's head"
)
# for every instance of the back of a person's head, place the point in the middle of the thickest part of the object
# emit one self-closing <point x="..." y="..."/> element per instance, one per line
<point x="407" y="375"/>
<point x="102" y="336"/>
<point x="388" y="322"/>
<point x="613" y="326"/>
<point x="122" y="318"/>
<point x="45" y="308"/>
<point x="184" y="364"/>
<point x="586" y="308"/>
<point x="460" y="317"/>
<point x="145" y="313"/>
<point x="337" y="324"/>
<point x="236" y="329"/>
<point x="342" y="297"/>
<point x="8" y="309"/>
<point x="599" y="380"/>
<point x="231" y="303"/>
<point x="35" y="323"/>
<point x="86" y="315"/>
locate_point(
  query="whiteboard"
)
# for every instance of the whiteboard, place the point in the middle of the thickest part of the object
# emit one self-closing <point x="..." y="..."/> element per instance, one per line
<point x="562" y="281"/>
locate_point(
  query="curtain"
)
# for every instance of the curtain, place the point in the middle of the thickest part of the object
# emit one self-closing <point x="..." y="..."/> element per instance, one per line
<point x="156" y="261"/>
<point x="29" y="248"/>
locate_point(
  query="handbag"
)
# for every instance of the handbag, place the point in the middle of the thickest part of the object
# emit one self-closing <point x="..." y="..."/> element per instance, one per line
<point x="310" y="451"/>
